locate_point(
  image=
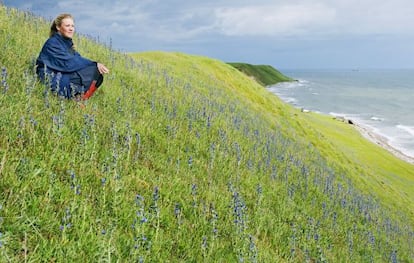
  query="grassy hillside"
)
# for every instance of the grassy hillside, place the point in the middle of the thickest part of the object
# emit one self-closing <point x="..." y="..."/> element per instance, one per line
<point x="264" y="74"/>
<point x="181" y="158"/>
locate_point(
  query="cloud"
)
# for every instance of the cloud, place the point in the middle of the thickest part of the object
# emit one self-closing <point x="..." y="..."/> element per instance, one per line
<point x="373" y="17"/>
<point x="182" y="20"/>
<point x="287" y="30"/>
<point x="273" y="19"/>
<point x="148" y="19"/>
<point x="317" y="18"/>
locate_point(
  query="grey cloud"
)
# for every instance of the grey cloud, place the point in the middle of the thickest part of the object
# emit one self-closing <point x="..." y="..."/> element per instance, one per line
<point x="235" y="28"/>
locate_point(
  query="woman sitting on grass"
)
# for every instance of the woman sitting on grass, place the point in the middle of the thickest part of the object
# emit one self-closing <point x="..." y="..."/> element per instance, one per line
<point x="61" y="67"/>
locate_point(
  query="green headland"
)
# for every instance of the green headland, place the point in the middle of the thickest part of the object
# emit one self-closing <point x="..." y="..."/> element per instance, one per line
<point x="264" y="74"/>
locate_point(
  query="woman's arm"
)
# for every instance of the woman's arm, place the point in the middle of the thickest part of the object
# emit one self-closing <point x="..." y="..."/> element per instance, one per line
<point x="57" y="56"/>
<point x="102" y="68"/>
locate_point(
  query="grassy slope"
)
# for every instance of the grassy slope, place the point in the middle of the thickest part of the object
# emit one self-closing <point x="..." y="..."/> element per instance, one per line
<point x="264" y="74"/>
<point x="201" y="133"/>
<point x="372" y="168"/>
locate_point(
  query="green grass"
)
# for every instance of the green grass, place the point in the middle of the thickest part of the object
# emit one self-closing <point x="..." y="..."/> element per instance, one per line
<point x="181" y="158"/>
<point x="264" y="74"/>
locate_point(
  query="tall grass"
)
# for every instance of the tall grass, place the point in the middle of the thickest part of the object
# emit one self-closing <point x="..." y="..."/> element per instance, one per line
<point x="176" y="158"/>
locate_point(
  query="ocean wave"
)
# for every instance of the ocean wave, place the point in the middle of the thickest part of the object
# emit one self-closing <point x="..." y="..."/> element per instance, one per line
<point x="302" y="80"/>
<point x="376" y="118"/>
<point x="336" y="114"/>
<point x="363" y="101"/>
<point x="289" y="100"/>
<point x="400" y="137"/>
<point x="408" y="129"/>
<point x="288" y="85"/>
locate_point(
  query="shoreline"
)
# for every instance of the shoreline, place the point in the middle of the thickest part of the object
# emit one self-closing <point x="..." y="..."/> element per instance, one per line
<point x="381" y="141"/>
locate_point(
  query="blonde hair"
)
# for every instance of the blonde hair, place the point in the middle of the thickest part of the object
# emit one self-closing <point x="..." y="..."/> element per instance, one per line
<point x="58" y="22"/>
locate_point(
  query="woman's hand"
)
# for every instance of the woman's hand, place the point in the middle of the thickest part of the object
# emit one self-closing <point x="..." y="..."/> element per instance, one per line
<point x="102" y="69"/>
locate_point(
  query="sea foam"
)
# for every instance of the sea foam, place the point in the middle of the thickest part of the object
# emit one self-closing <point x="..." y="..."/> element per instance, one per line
<point x="370" y="98"/>
<point x="408" y="129"/>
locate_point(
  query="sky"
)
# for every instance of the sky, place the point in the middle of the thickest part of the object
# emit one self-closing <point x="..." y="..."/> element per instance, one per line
<point x="287" y="34"/>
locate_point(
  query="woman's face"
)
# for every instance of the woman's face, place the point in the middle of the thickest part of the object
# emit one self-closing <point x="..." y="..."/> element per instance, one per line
<point x="67" y="27"/>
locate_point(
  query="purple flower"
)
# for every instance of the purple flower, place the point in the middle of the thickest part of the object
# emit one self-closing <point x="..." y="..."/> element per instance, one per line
<point x="4" y="79"/>
<point x="177" y="210"/>
<point x="156" y="194"/>
<point x="194" y="189"/>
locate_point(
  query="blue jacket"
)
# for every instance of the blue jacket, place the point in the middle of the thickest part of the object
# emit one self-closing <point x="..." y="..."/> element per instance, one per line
<point x="57" y="61"/>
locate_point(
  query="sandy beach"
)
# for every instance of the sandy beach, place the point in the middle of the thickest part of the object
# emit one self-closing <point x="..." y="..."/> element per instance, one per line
<point x="381" y="141"/>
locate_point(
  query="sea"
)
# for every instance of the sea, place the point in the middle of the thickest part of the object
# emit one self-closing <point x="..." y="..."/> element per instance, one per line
<point x="380" y="100"/>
